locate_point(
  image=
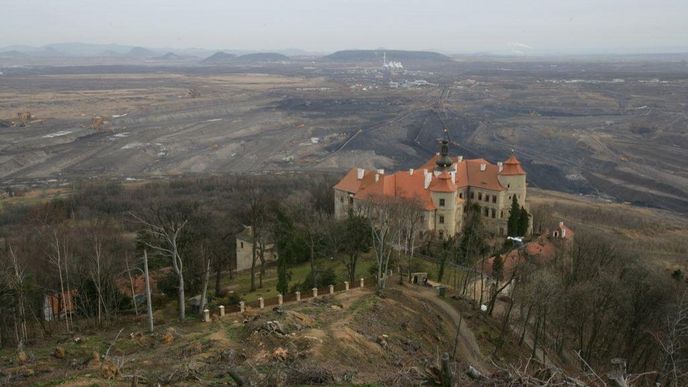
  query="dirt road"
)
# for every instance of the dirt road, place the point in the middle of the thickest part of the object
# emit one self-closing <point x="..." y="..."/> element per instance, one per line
<point x="468" y="347"/>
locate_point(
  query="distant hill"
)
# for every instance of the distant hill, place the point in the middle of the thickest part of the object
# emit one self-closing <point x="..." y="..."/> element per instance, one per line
<point x="12" y="54"/>
<point x="377" y="55"/>
<point x="170" y="56"/>
<point x="219" y="58"/>
<point x="226" y="58"/>
<point x="262" y="57"/>
<point x="140" y="52"/>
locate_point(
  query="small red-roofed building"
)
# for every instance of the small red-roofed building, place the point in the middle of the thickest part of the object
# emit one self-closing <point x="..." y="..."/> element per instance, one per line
<point x="444" y="187"/>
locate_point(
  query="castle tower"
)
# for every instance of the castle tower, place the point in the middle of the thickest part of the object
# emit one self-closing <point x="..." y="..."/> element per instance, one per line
<point x="513" y="178"/>
<point x="443" y="189"/>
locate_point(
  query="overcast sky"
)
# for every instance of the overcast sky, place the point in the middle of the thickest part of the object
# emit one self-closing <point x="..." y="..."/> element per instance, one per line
<point x="572" y="26"/>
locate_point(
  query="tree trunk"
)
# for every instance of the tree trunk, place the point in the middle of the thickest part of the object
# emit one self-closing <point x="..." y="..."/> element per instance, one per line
<point x="204" y="295"/>
<point x="181" y="298"/>
<point x="312" y="251"/>
<point x="148" y="292"/>
<point x="218" y="275"/>
<point x="131" y="284"/>
<point x="525" y="325"/>
<point x="253" y="263"/>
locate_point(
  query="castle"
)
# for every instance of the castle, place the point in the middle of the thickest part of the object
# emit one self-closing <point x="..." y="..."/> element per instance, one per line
<point x="444" y="187"/>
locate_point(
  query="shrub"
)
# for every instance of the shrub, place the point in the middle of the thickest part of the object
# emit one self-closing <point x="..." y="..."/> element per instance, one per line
<point x="233" y="299"/>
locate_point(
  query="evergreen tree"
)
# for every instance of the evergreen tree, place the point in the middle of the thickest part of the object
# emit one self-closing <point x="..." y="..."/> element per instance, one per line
<point x="514" y="222"/>
<point x="473" y="236"/>
<point x="356" y="242"/>
<point x="523" y="221"/>
<point x="288" y="248"/>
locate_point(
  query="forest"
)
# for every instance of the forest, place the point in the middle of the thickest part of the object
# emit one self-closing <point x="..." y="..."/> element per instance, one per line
<point x="597" y="300"/>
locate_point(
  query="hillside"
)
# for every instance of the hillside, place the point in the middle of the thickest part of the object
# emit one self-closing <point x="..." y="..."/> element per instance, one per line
<point x="352" y="337"/>
<point x="218" y="58"/>
<point x="262" y="57"/>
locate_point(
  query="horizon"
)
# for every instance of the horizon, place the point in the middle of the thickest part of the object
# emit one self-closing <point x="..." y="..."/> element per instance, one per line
<point x="667" y="50"/>
<point x="530" y="28"/>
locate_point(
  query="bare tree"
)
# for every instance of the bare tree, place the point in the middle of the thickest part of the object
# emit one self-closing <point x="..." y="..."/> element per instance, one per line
<point x="255" y="213"/>
<point x="15" y="277"/>
<point x="206" y="279"/>
<point x="383" y="216"/>
<point x="673" y="341"/>
<point x="410" y="215"/>
<point x="164" y="227"/>
<point x="149" y="304"/>
<point x="56" y="256"/>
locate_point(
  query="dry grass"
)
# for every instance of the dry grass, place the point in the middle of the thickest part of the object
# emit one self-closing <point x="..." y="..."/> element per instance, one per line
<point x="653" y="234"/>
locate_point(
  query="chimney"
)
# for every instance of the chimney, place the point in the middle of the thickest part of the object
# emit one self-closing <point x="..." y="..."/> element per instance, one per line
<point x="377" y="177"/>
<point x="453" y="176"/>
<point x="381" y="171"/>
<point x="483" y="167"/>
<point x="500" y="165"/>
<point x="460" y="159"/>
<point x="428" y="179"/>
<point x="411" y="171"/>
<point x="359" y="173"/>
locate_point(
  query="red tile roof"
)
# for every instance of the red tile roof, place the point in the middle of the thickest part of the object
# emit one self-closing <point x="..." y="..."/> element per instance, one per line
<point x="351" y="183"/>
<point x="402" y="185"/>
<point x="442" y="183"/>
<point x="540" y="251"/>
<point x="512" y="167"/>
<point x="469" y="173"/>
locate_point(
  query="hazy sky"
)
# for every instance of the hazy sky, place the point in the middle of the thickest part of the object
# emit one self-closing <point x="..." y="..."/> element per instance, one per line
<point x="327" y="25"/>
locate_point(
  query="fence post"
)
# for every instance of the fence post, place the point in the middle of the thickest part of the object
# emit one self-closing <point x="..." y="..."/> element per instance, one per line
<point x="298" y="296"/>
<point x="222" y="310"/>
<point x="206" y="315"/>
<point x="242" y="306"/>
<point x="331" y="289"/>
<point x="280" y="300"/>
<point x="261" y="302"/>
<point x="346" y="285"/>
<point x="362" y="284"/>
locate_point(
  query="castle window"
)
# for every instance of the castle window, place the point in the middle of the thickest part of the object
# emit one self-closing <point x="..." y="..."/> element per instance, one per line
<point x="480" y="196"/>
<point x="501" y="214"/>
<point x="351" y="200"/>
<point x="494" y="198"/>
<point x="441" y="219"/>
<point x="494" y="213"/>
<point x="242" y="245"/>
<point x="472" y="195"/>
<point x="441" y="202"/>
<point x="461" y="195"/>
<point x="487" y="212"/>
